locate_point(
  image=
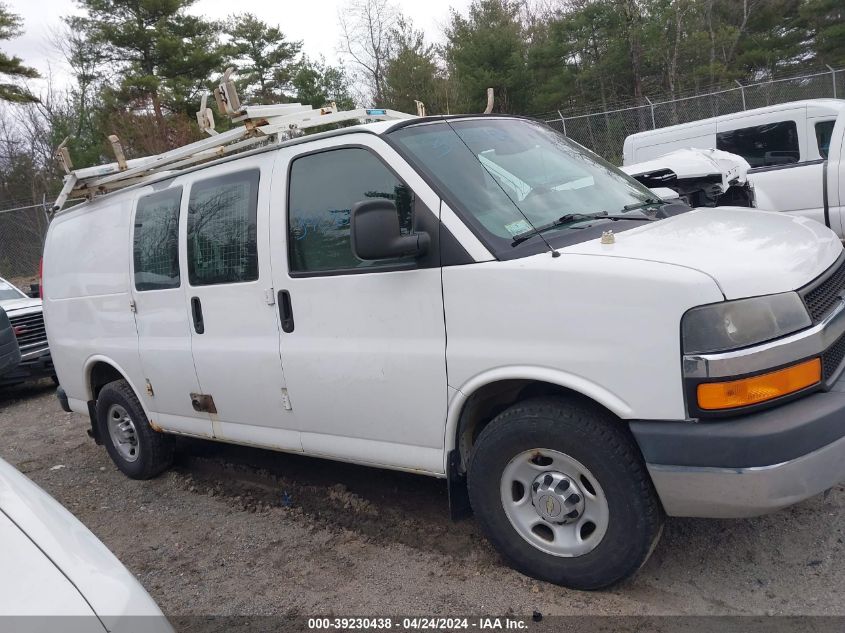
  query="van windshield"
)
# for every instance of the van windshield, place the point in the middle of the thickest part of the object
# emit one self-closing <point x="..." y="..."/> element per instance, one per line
<point x="509" y="175"/>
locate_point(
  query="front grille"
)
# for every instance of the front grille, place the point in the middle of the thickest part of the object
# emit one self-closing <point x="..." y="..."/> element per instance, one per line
<point x="29" y="329"/>
<point x="832" y="358"/>
<point x="823" y="294"/>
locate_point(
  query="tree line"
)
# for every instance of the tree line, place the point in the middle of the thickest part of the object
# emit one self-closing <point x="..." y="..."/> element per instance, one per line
<point x="139" y="67"/>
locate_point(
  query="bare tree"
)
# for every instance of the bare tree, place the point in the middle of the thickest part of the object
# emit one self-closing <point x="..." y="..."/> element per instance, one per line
<point x="366" y="27"/>
<point x="674" y="30"/>
<point x="88" y="67"/>
<point x="633" y="24"/>
<point x="748" y="7"/>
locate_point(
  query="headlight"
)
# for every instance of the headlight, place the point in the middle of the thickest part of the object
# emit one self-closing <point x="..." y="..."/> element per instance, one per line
<point x="733" y="324"/>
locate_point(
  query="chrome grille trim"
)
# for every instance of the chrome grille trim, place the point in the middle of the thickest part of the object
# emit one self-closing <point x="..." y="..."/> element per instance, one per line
<point x="34" y="333"/>
<point x="804" y="344"/>
<point x="821" y="295"/>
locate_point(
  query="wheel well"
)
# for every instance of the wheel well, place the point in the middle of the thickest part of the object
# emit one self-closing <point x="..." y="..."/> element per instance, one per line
<point x="100" y="375"/>
<point x="490" y="400"/>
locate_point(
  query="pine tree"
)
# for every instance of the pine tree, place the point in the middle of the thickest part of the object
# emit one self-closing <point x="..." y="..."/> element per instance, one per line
<point x="487" y="49"/>
<point x="825" y="22"/>
<point x="317" y="84"/>
<point x="162" y="56"/>
<point x="265" y="59"/>
<point x="12" y="67"/>
<point x="411" y="74"/>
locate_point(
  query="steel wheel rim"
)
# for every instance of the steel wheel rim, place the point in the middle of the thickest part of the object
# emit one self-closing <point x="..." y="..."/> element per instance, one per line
<point x="122" y="432"/>
<point x="538" y="491"/>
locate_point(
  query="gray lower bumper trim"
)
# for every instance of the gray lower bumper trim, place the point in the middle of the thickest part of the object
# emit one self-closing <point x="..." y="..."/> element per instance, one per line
<point x="746" y="492"/>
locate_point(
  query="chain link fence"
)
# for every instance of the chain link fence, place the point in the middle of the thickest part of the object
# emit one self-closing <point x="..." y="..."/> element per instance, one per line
<point x="605" y="132"/>
<point x="23" y="226"/>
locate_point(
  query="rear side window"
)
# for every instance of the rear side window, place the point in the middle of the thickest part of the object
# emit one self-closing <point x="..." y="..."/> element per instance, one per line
<point x="763" y="145"/>
<point x="824" y="130"/>
<point x="323" y="189"/>
<point x="156" y="240"/>
<point x="222" y="246"/>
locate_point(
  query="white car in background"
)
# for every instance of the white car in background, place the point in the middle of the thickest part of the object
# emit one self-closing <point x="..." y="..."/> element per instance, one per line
<point x="25" y="314"/>
<point x="52" y="565"/>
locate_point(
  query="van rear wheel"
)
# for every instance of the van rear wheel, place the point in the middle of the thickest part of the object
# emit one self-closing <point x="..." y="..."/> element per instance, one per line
<point x="560" y="489"/>
<point x="135" y="448"/>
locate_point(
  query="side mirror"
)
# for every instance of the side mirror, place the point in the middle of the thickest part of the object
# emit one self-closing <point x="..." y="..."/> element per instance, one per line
<point x="376" y="235"/>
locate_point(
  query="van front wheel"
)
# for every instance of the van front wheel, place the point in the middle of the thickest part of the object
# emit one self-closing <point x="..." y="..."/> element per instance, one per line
<point x="135" y="448"/>
<point x="561" y="491"/>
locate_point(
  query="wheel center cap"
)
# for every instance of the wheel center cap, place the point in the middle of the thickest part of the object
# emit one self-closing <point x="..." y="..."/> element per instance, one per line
<point x="557" y="498"/>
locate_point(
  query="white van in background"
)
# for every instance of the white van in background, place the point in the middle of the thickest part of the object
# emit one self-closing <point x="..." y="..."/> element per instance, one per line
<point x="794" y="151"/>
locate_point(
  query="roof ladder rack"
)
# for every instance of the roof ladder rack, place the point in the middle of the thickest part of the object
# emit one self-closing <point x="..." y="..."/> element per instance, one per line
<point x="261" y="124"/>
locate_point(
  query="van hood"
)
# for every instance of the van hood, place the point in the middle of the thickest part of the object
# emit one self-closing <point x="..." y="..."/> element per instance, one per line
<point x="747" y="252"/>
<point x="10" y="305"/>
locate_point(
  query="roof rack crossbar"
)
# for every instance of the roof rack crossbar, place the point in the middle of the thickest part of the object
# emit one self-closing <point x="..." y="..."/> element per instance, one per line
<point x="257" y="113"/>
<point x="155" y="163"/>
<point x="261" y="124"/>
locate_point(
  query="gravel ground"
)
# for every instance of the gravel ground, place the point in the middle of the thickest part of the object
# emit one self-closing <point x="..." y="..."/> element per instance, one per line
<point x="232" y="531"/>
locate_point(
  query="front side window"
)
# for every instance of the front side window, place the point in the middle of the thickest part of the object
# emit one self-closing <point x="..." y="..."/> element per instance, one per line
<point x="156" y="241"/>
<point x="222" y="215"/>
<point x="763" y="145"/>
<point x="323" y="189"/>
<point x="824" y="131"/>
<point x="510" y="176"/>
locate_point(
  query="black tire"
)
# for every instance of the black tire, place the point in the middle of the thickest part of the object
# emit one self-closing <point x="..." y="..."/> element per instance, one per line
<point x="600" y="442"/>
<point x="154" y="449"/>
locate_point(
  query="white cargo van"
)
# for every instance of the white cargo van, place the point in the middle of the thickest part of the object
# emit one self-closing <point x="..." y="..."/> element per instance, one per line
<point x="473" y="298"/>
<point x="795" y="153"/>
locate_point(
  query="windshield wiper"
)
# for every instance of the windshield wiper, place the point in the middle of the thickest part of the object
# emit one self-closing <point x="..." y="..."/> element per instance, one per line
<point x="641" y="205"/>
<point x="564" y="219"/>
<point x="573" y="217"/>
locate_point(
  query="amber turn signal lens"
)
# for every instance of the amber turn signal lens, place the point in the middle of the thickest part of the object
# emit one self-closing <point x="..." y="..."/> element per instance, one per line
<point x="757" y="389"/>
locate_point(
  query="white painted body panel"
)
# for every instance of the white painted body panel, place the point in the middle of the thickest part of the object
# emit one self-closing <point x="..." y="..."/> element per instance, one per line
<point x="608" y="328"/>
<point x="237" y="358"/>
<point x="10" y="305"/>
<point x="366" y="362"/>
<point x="41" y="588"/>
<point x="798" y="190"/>
<point x="836" y="176"/>
<point x="64" y="559"/>
<point x="164" y="346"/>
<point x="696" y="163"/>
<point x="657" y="143"/>
<point x="87" y="304"/>
<point x="745" y="251"/>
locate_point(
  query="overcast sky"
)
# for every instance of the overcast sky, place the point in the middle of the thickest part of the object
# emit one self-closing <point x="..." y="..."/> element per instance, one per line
<point x="312" y="21"/>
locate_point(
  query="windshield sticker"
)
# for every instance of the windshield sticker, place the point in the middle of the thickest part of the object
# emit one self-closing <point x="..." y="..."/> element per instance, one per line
<point x="515" y="228"/>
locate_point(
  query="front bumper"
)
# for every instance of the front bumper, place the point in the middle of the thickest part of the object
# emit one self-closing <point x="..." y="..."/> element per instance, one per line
<point x="749" y="465"/>
<point x="34" y="365"/>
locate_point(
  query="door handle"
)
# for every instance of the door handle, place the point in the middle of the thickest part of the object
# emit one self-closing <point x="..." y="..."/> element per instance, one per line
<point x="285" y="311"/>
<point x="196" y="312"/>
